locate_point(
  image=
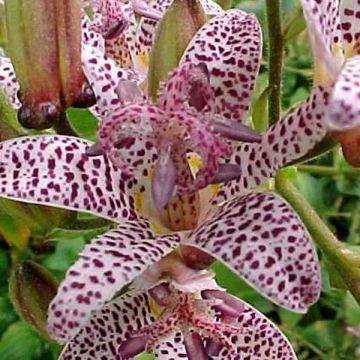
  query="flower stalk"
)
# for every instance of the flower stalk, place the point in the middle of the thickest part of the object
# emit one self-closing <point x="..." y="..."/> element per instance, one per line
<point x="336" y="253"/>
<point x="273" y="13"/>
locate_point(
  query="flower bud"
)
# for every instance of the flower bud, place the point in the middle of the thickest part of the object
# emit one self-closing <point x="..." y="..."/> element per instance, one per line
<point x="44" y="43"/>
<point x="177" y="27"/>
<point x="31" y="290"/>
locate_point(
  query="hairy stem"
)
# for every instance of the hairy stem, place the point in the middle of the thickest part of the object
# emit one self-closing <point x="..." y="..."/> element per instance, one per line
<point x="333" y="249"/>
<point x="273" y="13"/>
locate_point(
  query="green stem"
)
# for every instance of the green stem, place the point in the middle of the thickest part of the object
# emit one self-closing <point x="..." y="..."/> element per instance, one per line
<point x="332" y="248"/>
<point x="86" y="224"/>
<point x="328" y="170"/>
<point x="273" y="13"/>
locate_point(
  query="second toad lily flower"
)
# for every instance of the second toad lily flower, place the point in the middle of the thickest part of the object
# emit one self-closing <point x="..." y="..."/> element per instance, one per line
<point x="334" y="28"/>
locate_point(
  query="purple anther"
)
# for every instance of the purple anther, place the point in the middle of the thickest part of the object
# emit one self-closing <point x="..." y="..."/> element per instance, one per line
<point x="236" y="131"/>
<point x="194" y="346"/>
<point x="94" y="150"/>
<point x="161" y="294"/>
<point x="164" y="180"/>
<point x="132" y="347"/>
<point x="226" y="172"/>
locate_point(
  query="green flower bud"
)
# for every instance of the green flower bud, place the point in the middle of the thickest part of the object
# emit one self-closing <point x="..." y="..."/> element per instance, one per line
<point x="178" y="26"/>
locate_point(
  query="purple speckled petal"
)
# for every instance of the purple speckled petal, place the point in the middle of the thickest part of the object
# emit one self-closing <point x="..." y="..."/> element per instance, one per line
<point x="344" y="107"/>
<point x="147" y="28"/>
<point x="262" y="239"/>
<point x="88" y="35"/>
<point x="146" y="127"/>
<point x="260" y="339"/>
<point x="108" y="327"/>
<point x="107" y="264"/>
<point x="287" y="140"/>
<point x="54" y="170"/>
<point x="171" y="348"/>
<point x="104" y="76"/>
<point x="187" y="84"/>
<point x="8" y="81"/>
<point x="230" y="46"/>
<point x="350" y="24"/>
<point x="323" y="24"/>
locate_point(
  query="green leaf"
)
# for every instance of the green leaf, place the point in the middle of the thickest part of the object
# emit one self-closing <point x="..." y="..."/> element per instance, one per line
<point x="83" y="122"/>
<point x="7" y="314"/>
<point x="13" y="232"/>
<point x="19" y="342"/>
<point x="352" y="310"/>
<point x="65" y="254"/>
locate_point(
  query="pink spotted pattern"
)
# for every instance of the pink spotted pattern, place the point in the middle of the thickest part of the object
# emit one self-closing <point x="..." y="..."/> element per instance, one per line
<point x="104" y="76"/>
<point x="108" y="327"/>
<point x="322" y="17"/>
<point x="54" y="170"/>
<point x="262" y="239"/>
<point x="344" y="109"/>
<point x="258" y="339"/>
<point x="133" y="130"/>
<point x="145" y="34"/>
<point x="350" y="23"/>
<point x="104" y="266"/>
<point x="176" y="91"/>
<point x="230" y="46"/>
<point x="287" y="140"/>
<point x="8" y="81"/>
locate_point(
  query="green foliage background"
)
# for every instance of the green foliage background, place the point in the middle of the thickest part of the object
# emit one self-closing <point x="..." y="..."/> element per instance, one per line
<point x="319" y="334"/>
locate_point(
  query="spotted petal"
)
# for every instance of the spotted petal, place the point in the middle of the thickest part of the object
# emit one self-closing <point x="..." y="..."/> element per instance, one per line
<point x="287" y="140"/>
<point x="187" y="85"/>
<point x="344" y="108"/>
<point x="350" y="25"/>
<point x="138" y="129"/>
<point x="8" y="81"/>
<point x="262" y="239"/>
<point x="108" y="327"/>
<point x="259" y="340"/>
<point x="106" y="265"/>
<point x="171" y="348"/>
<point x="54" y="170"/>
<point x="147" y="28"/>
<point x="230" y="46"/>
<point x="323" y="24"/>
<point x="104" y="76"/>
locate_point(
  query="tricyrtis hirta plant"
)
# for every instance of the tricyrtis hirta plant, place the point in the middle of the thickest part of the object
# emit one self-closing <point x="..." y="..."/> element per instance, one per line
<point x="334" y="28"/>
<point x="158" y="172"/>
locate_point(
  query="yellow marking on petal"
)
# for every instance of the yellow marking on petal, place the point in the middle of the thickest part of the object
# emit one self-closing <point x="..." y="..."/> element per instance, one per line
<point x="349" y="50"/>
<point x="154" y="307"/>
<point x="195" y="162"/>
<point x="138" y="197"/>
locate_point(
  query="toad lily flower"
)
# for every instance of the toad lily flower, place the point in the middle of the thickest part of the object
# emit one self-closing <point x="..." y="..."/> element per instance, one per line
<point x="257" y="235"/>
<point x="334" y="28"/>
<point x="173" y="323"/>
